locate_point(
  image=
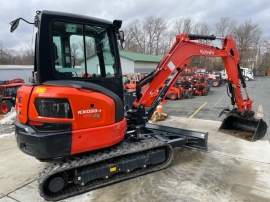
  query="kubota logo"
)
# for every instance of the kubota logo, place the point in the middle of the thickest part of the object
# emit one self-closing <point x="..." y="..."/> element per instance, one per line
<point x="89" y="111"/>
<point x="206" y="52"/>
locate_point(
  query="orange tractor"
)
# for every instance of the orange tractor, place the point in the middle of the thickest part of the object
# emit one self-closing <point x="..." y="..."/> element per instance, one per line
<point x="8" y="92"/>
<point x="199" y="85"/>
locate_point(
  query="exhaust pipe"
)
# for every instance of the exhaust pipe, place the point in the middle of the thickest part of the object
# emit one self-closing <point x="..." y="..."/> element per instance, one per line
<point x="251" y="129"/>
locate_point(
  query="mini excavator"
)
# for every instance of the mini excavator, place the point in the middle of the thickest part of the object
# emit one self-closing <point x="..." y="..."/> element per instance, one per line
<point x="72" y="113"/>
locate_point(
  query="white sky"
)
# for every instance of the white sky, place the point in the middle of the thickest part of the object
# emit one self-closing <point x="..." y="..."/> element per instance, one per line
<point x="208" y="11"/>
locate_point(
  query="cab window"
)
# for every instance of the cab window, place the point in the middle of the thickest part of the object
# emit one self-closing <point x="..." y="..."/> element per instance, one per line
<point x="82" y="51"/>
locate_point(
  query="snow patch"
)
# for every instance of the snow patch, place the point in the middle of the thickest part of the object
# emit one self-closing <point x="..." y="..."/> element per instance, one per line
<point x="7" y="124"/>
<point x="9" y="118"/>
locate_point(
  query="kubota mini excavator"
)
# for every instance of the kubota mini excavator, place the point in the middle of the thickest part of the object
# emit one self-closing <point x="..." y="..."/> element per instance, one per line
<point x="78" y="122"/>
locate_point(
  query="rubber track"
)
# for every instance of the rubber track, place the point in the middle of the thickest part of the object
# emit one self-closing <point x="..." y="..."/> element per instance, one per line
<point x="121" y="149"/>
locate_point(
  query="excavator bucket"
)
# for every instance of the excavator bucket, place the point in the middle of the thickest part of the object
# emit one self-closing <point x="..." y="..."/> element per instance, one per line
<point x="249" y="129"/>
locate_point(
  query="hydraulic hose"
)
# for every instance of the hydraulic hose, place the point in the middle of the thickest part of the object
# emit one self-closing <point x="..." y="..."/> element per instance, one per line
<point x="142" y="82"/>
<point x="240" y="76"/>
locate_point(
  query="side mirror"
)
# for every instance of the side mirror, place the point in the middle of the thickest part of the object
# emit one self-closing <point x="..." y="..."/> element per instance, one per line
<point x="14" y="24"/>
<point x="121" y="36"/>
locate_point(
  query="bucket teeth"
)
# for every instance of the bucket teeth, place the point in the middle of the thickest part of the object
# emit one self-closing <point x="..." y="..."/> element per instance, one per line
<point x="224" y="111"/>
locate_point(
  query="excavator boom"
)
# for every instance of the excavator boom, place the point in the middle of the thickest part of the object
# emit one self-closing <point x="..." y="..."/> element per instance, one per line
<point x="240" y="121"/>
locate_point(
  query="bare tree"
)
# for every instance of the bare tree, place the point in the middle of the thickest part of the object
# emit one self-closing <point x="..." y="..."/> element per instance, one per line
<point x="130" y="38"/>
<point x="264" y="60"/>
<point x="75" y="52"/>
<point x="151" y="36"/>
<point x="12" y="57"/>
<point x="90" y="48"/>
<point x="145" y="37"/>
<point x="183" y="25"/>
<point x="225" y="26"/>
<point x="160" y="26"/>
<point x="149" y="28"/>
<point x="1" y="52"/>
<point x="6" y="55"/>
<point x="139" y="35"/>
<point x="27" y="55"/>
<point x="201" y="28"/>
<point x="247" y="37"/>
<point x="178" y="26"/>
<point x="166" y="41"/>
<point x="188" y="25"/>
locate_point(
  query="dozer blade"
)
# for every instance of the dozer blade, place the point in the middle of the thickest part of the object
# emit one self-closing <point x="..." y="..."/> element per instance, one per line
<point x="249" y="129"/>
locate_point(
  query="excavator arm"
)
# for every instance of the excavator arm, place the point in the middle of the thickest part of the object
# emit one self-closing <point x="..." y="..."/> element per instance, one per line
<point x="174" y="60"/>
<point x="149" y="92"/>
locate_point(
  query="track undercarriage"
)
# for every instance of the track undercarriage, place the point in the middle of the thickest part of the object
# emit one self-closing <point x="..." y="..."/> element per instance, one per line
<point x="128" y="159"/>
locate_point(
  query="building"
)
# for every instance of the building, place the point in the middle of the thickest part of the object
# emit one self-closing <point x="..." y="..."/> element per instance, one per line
<point x="8" y="72"/>
<point x="130" y="62"/>
<point x="137" y="62"/>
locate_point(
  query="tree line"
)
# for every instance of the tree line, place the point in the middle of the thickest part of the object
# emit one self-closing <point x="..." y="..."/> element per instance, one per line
<point x="154" y="35"/>
<point x="24" y="56"/>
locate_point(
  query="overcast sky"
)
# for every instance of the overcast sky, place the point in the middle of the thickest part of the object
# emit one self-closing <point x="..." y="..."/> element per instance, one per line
<point x="208" y="11"/>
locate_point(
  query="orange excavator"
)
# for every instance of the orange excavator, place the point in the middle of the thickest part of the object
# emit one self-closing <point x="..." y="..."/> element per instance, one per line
<point x="78" y="122"/>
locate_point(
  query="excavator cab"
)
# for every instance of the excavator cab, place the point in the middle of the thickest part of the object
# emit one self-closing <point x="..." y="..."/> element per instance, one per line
<point x="76" y="95"/>
<point x="77" y="49"/>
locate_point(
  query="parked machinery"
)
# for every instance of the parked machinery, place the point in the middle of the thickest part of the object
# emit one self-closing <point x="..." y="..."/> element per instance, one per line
<point x="175" y="92"/>
<point x="199" y="85"/>
<point x="79" y="122"/>
<point x="215" y="79"/>
<point x="8" y="91"/>
<point x="186" y="85"/>
<point x="193" y="82"/>
<point x="247" y="73"/>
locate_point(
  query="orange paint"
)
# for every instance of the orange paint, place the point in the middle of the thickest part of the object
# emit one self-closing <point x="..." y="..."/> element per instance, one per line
<point x="22" y="99"/>
<point x="99" y="137"/>
<point x="93" y="115"/>
<point x="100" y="108"/>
